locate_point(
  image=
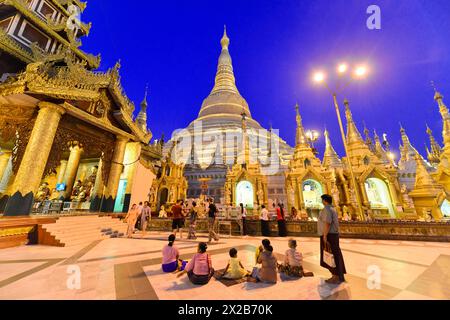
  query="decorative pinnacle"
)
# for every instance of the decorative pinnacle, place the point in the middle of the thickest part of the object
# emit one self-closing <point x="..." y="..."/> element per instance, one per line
<point x="225" y="42"/>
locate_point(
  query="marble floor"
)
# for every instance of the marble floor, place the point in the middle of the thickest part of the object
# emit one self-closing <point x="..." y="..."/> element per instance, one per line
<point x="130" y="269"/>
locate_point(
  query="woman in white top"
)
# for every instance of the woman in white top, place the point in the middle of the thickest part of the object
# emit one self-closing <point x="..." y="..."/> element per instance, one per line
<point x="243" y="217"/>
<point x="265" y="228"/>
<point x="293" y="261"/>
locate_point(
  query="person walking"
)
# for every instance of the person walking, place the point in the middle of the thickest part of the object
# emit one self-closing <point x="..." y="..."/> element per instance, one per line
<point x="178" y="218"/>
<point x="281" y="218"/>
<point x="265" y="228"/>
<point x="244" y="218"/>
<point x="328" y="229"/>
<point x="146" y="216"/>
<point x="193" y="215"/>
<point x="130" y="219"/>
<point x="212" y="213"/>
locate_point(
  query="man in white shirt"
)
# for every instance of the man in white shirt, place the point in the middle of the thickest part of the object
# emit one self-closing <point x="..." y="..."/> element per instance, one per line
<point x="265" y="228"/>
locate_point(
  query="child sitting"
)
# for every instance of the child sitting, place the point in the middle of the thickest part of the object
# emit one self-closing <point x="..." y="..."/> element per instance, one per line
<point x="293" y="260"/>
<point x="260" y="249"/>
<point x="234" y="270"/>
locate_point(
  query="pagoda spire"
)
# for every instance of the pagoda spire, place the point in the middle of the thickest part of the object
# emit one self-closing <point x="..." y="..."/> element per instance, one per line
<point x="445" y="118"/>
<point x="433" y="154"/>
<point x="353" y="135"/>
<point x="141" y="119"/>
<point x="225" y="80"/>
<point x="379" y="150"/>
<point x="300" y="137"/>
<point x="331" y="158"/>
<point x="423" y="177"/>
<point x="369" y="141"/>
<point x="408" y="152"/>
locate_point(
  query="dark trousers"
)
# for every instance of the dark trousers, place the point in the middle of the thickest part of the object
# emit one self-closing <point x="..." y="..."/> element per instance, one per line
<point x="265" y="228"/>
<point x="282" y="230"/>
<point x="333" y="240"/>
<point x="244" y="227"/>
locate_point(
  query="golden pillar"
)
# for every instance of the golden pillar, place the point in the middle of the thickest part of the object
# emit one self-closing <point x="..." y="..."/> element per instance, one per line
<point x="366" y="201"/>
<point x="62" y="171"/>
<point x="4" y="161"/>
<point x="70" y="174"/>
<point x="34" y="160"/>
<point x="97" y="190"/>
<point x="131" y="159"/>
<point x="115" y="172"/>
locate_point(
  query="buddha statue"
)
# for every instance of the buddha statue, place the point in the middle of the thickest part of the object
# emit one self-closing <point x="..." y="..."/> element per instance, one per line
<point x="43" y="192"/>
<point x="76" y="189"/>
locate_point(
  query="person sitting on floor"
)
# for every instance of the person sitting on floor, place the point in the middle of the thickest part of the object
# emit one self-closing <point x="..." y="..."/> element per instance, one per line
<point x="260" y="249"/>
<point x="199" y="269"/>
<point x="268" y="271"/>
<point x="170" y="260"/>
<point x="234" y="270"/>
<point x="293" y="261"/>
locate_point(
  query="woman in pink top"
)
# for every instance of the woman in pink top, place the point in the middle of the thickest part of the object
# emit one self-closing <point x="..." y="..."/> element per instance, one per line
<point x="199" y="269"/>
<point x="170" y="260"/>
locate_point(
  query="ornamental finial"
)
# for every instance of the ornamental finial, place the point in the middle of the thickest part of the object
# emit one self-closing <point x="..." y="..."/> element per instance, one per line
<point x="225" y="42"/>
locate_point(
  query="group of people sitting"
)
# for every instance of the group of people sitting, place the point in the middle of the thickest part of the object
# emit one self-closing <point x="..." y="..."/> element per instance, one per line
<point x="200" y="270"/>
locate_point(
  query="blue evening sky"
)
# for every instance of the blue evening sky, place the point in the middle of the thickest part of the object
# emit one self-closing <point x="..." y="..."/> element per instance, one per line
<point x="276" y="45"/>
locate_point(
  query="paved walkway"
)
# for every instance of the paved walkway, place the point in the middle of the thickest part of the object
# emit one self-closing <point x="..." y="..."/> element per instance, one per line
<point x="130" y="269"/>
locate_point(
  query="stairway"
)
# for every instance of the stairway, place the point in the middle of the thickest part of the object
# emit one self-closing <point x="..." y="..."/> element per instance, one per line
<point x="83" y="230"/>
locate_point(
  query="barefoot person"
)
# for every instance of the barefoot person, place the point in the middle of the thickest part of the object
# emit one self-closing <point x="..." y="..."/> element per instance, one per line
<point x="146" y="216"/>
<point x="131" y="218"/>
<point x="234" y="269"/>
<point x="178" y="218"/>
<point x="199" y="269"/>
<point x="171" y="257"/>
<point x="293" y="261"/>
<point x="212" y="212"/>
<point x="328" y="228"/>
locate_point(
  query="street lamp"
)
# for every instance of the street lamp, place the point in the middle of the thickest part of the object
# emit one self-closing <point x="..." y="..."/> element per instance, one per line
<point x="359" y="72"/>
<point x="313" y="136"/>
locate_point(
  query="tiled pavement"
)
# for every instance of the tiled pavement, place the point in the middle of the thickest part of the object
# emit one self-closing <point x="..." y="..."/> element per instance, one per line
<point x="130" y="269"/>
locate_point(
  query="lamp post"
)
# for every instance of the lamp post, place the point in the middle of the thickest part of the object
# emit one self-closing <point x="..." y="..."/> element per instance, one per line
<point x="320" y="78"/>
<point x="313" y="136"/>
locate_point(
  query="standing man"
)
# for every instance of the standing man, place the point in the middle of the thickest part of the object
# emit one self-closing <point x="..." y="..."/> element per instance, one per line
<point x="178" y="218"/>
<point x="212" y="212"/>
<point x="146" y="216"/>
<point x="328" y="228"/>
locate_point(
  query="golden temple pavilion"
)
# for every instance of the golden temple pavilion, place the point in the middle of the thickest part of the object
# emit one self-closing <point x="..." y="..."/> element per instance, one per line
<point x="68" y="137"/>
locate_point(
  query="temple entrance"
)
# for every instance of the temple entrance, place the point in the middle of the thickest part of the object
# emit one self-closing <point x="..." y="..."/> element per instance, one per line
<point x="379" y="197"/>
<point x="312" y="193"/>
<point x="163" y="197"/>
<point x="120" y="199"/>
<point x="445" y="208"/>
<point x="245" y="194"/>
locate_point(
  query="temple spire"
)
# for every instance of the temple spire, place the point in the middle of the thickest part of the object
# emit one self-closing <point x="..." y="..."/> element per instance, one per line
<point x="300" y="137"/>
<point x="141" y="119"/>
<point x="379" y="150"/>
<point x="225" y="80"/>
<point x="353" y="135"/>
<point x="408" y="152"/>
<point x="331" y="158"/>
<point x="445" y="118"/>
<point x="423" y="177"/>
<point x="369" y="141"/>
<point x="433" y="154"/>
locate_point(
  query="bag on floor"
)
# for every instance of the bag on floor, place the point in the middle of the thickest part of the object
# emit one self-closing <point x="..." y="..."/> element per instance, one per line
<point x="328" y="256"/>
